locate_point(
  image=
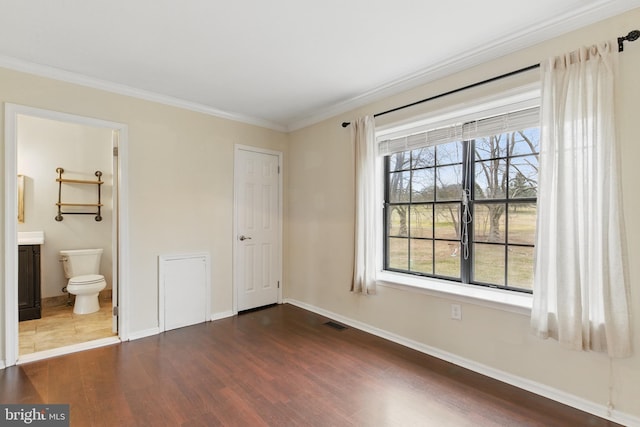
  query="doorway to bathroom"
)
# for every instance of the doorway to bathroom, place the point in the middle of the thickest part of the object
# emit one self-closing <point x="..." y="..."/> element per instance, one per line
<point x="61" y="212"/>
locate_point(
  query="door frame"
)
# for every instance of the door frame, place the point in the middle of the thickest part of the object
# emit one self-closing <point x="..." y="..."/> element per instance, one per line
<point x="236" y="170"/>
<point x="120" y="226"/>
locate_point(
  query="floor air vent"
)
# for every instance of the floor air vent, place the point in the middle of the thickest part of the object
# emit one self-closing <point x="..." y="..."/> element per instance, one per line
<point x="335" y="325"/>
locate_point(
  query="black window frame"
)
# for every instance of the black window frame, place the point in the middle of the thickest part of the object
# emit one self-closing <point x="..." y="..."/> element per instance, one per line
<point x="469" y="161"/>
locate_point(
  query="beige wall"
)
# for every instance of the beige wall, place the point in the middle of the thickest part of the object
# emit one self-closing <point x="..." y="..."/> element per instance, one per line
<point x="321" y="228"/>
<point x="42" y="146"/>
<point x="180" y="181"/>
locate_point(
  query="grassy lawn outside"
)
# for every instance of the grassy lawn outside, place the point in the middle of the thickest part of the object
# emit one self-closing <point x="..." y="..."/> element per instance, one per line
<point x="442" y="257"/>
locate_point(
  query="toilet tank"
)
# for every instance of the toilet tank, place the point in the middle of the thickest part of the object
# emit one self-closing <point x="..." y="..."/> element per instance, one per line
<point x="78" y="262"/>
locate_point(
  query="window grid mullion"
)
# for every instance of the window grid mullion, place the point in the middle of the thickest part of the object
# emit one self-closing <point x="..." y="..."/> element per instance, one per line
<point x="506" y="216"/>
<point x="410" y="212"/>
<point x="467" y="179"/>
<point x="433" y="231"/>
<point x="506" y="235"/>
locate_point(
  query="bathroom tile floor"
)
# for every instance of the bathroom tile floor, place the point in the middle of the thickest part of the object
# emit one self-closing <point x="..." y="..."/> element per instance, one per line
<point x="59" y="327"/>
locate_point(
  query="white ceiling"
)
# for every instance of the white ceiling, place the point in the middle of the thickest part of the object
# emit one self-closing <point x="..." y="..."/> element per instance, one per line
<point x="282" y="64"/>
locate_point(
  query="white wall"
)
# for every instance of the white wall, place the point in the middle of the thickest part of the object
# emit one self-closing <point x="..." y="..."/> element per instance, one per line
<point x="42" y="146"/>
<point x="320" y="247"/>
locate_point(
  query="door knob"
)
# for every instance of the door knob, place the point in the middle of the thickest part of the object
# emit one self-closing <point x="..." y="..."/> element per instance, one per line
<point x="243" y="238"/>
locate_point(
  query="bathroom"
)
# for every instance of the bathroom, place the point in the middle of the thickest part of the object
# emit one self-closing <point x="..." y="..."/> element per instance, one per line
<point x="44" y="145"/>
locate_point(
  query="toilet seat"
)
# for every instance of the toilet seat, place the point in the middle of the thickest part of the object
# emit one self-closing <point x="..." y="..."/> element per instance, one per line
<point x="87" y="279"/>
<point x="86" y="289"/>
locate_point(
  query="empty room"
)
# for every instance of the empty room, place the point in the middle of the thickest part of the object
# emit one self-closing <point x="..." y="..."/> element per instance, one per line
<point x="363" y="213"/>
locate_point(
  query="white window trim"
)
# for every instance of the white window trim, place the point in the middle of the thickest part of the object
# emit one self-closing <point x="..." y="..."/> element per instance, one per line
<point x="511" y="301"/>
<point x="505" y="300"/>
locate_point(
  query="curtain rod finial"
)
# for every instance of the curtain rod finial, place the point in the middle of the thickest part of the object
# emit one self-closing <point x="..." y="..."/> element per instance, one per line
<point x="345" y="124"/>
<point x="631" y="37"/>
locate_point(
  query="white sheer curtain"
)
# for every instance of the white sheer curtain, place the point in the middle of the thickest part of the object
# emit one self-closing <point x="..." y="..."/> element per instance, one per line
<point x="581" y="294"/>
<point x="363" y="132"/>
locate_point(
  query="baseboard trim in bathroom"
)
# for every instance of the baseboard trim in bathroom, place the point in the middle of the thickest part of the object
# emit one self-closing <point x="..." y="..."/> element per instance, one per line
<point x="46" y="354"/>
<point x="105" y="295"/>
<point x="56" y="301"/>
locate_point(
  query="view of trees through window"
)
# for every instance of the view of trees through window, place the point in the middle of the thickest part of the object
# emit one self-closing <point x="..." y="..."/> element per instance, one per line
<point x="426" y="221"/>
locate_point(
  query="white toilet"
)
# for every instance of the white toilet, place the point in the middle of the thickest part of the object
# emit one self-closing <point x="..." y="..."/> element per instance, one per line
<point x="81" y="267"/>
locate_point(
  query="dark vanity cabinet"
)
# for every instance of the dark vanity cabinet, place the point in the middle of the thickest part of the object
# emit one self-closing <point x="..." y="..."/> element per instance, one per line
<point x="28" y="282"/>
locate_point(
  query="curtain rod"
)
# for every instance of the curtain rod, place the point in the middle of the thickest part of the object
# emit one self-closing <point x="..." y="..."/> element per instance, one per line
<point x="631" y="37"/>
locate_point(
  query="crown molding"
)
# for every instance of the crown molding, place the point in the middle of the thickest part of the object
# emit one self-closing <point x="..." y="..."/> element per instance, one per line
<point x="561" y="24"/>
<point x="94" y="83"/>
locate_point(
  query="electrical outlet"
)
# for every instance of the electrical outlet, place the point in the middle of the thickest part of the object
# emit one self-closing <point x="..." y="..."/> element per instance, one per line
<point x="456" y="312"/>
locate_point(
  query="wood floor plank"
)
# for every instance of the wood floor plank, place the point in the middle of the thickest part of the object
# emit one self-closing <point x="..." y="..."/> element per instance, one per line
<point x="281" y="366"/>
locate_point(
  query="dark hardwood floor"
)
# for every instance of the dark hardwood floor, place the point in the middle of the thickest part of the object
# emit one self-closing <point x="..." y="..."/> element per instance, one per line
<point x="281" y="366"/>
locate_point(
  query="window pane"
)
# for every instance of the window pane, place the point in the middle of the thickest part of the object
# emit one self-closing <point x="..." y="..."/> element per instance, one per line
<point x="489" y="222"/>
<point x="488" y="263"/>
<point x="422" y="221"/>
<point x="449" y="183"/>
<point x="520" y="272"/>
<point x="399" y="186"/>
<point x="490" y="179"/>
<point x="398" y="220"/>
<point x="523" y="177"/>
<point x="448" y="259"/>
<point x="447" y="221"/>
<point x="522" y="223"/>
<point x="422" y="256"/>
<point x="491" y="147"/>
<point x="526" y="142"/>
<point x="398" y="253"/>
<point x="399" y="161"/>
<point x="422" y="185"/>
<point x="423" y="157"/>
<point x="449" y="153"/>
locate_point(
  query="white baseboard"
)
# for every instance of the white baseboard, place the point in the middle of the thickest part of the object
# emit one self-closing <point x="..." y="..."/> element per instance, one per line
<point x="143" y="334"/>
<point x="222" y="315"/>
<point x="155" y="331"/>
<point x="523" y="383"/>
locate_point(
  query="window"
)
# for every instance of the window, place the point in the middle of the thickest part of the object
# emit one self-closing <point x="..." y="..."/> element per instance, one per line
<point x="460" y="201"/>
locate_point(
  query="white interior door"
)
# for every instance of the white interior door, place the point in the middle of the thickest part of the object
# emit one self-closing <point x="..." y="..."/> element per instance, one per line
<point x="258" y="253"/>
